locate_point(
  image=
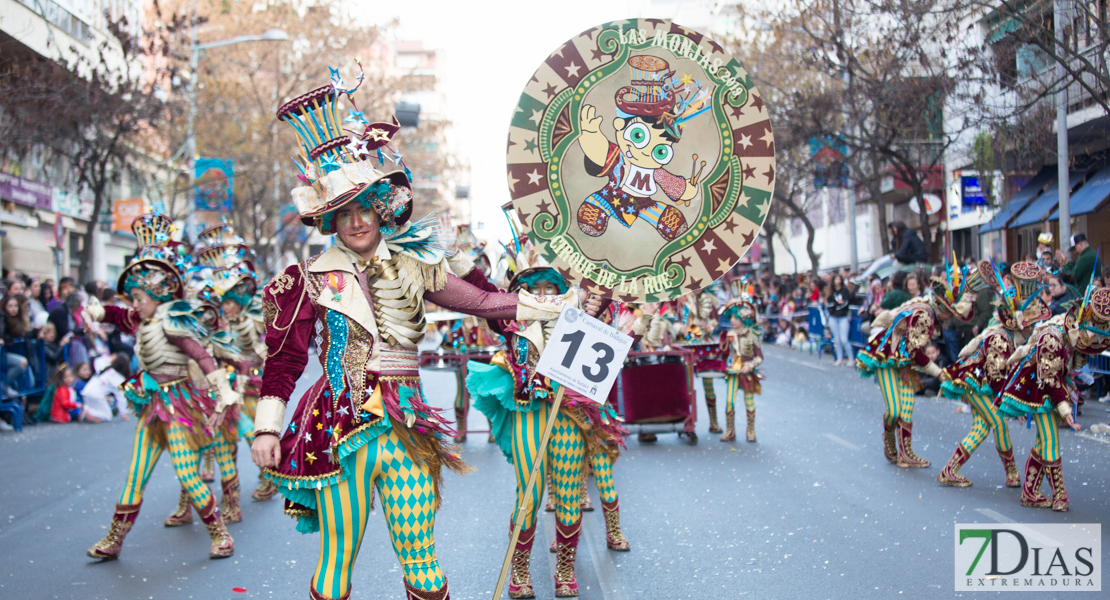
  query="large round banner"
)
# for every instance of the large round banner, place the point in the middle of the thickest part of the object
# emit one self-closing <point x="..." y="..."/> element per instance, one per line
<point x="641" y="160"/>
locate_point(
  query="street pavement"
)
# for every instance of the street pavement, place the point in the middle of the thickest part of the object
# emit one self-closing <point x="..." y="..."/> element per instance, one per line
<point x="810" y="511"/>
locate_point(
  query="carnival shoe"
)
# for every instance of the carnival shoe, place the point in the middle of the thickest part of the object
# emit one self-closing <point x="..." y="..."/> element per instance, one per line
<point x="890" y="446"/>
<point x="906" y="454"/>
<point x="184" y="513"/>
<point x="751" y="426"/>
<point x="411" y="593"/>
<point x="950" y="474"/>
<point x="314" y="595"/>
<point x="730" y="426"/>
<point x="1012" y="477"/>
<point x="520" y="578"/>
<point x="614" y="537"/>
<point x="122" y="521"/>
<point x="584" y="502"/>
<point x="1031" y="489"/>
<point x="230" y="501"/>
<point x="566" y="547"/>
<point x="266" y="489"/>
<point x="223" y="545"/>
<point x="1055" y="472"/>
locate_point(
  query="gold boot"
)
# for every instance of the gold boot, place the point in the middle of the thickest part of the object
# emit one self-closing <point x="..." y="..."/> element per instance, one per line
<point x="730" y="426"/>
<point x="751" y="425"/>
<point x="223" y="545"/>
<point x="122" y="521"/>
<point x="614" y="537"/>
<point x="266" y="489"/>
<point x="906" y="454"/>
<point x="520" y="578"/>
<point x="711" y="404"/>
<point x="184" y="513"/>
<point x="230" y="501"/>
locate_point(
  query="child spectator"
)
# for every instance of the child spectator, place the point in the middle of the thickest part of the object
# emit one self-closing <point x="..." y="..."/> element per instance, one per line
<point x="932" y="384"/>
<point x="83" y="372"/>
<point x="64" y="405"/>
<point x="102" y="396"/>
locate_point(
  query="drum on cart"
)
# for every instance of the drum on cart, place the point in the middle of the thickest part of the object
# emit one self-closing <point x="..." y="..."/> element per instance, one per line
<point x="655" y="394"/>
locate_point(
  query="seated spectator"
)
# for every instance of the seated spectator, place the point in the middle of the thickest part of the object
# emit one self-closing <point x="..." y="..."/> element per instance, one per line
<point x="83" y="372"/>
<point x="15" y="329"/>
<point x="913" y="285"/>
<point x="54" y="348"/>
<point x="64" y="405"/>
<point x="932" y="384"/>
<point x="102" y="397"/>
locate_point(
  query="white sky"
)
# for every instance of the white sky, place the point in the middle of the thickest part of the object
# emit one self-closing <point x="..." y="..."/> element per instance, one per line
<point x="491" y="48"/>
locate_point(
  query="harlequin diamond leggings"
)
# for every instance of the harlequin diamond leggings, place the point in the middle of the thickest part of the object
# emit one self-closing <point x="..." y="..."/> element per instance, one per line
<point x="186" y="465"/>
<point x="602" y="466"/>
<point x="566" y="454"/>
<point x="408" y="502"/>
<point x="897" y="393"/>
<point x="986" y="418"/>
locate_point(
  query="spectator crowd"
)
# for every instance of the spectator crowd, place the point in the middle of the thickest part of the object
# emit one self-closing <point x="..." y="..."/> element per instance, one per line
<point x="54" y="365"/>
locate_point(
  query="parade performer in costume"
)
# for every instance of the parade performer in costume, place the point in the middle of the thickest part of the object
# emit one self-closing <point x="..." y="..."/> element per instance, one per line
<point x="745" y="346"/>
<point x="220" y="345"/>
<point x="981" y="371"/>
<point x="710" y="349"/>
<point x="1040" y="388"/>
<point x="364" y="424"/>
<point x="172" y="413"/>
<point x="896" y="352"/>
<point x="517" y="400"/>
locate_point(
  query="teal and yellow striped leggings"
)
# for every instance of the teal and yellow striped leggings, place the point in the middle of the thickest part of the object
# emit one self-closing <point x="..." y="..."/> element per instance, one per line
<point x="566" y="455"/>
<point x="1048" y="437"/>
<point x="897" y="393"/>
<point x="733" y="383"/>
<point x="186" y="465"/>
<point x="408" y="501"/>
<point x="986" y="419"/>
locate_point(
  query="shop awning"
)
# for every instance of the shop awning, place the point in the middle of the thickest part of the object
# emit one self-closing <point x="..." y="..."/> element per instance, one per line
<point x="1039" y="209"/>
<point x="1020" y="199"/>
<point x="1088" y="198"/>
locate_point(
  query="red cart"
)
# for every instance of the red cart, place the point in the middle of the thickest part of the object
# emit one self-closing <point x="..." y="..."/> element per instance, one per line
<point x="654" y="393"/>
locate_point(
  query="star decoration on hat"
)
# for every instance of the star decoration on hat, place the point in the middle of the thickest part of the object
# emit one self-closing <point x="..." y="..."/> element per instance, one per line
<point x="328" y="164"/>
<point x="395" y="157"/>
<point x="336" y="80"/>
<point x="378" y="135"/>
<point x="356" y="117"/>
<point x="358" y="148"/>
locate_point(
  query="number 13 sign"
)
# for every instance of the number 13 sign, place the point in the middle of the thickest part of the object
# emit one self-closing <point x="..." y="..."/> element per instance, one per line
<point x="584" y="354"/>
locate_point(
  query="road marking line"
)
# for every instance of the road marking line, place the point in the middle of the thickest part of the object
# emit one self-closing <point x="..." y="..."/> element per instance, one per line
<point x="549" y="536"/>
<point x="1001" y="518"/>
<point x="842" y="442"/>
<point x="1092" y="438"/>
<point x="607" y="576"/>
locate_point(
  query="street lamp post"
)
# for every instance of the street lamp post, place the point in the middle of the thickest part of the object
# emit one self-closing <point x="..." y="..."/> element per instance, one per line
<point x="270" y="35"/>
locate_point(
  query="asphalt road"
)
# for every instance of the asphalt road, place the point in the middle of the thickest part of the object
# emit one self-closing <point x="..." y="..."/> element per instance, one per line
<point x="810" y="511"/>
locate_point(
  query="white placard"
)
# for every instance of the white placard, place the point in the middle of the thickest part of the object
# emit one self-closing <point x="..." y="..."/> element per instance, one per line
<point x="584" y="354"/>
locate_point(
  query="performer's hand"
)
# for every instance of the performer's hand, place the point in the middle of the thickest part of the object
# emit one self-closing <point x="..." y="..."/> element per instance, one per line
<point x="266" y="450"/>
<point x="589" y="120"/>
<point x="593" y="305"/>
<point x="215" y="420"/>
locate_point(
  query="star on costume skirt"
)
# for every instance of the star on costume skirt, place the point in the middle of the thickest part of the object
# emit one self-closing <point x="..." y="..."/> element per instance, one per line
<point x="342" y="410"/>
<point x="310" y="457"/>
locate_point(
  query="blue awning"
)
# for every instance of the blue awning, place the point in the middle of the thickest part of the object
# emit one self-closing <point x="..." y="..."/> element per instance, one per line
<point x="1021" y="199"/>
<point x="1090" y="196"/>
<point x="1038" y="210"/>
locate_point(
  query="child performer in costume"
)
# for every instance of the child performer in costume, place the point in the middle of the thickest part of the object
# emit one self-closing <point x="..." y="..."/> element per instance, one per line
<point x="896" y="352"/>
<point x="1039" y="387"/>
<point x="365" y="423"/>
<point x="173" y="414"/>
<point x="517" y="400"/>
<point x="981" y="371"/>
<point x="745" y="345"/>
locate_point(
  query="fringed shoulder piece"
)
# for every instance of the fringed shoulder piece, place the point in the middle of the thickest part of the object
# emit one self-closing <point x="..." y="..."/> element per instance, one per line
<point x="224" y="346"/>
<point x="421" y="248"/>
<point x="181" y="319"/>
